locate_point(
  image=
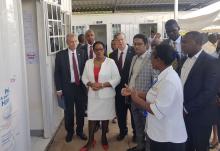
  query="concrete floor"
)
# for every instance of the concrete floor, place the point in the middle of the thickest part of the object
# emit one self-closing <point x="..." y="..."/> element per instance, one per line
<point x="59" y="144"/>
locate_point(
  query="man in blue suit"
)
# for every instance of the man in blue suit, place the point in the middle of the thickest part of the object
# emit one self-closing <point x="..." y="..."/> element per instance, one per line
<point x="200" y="79"/>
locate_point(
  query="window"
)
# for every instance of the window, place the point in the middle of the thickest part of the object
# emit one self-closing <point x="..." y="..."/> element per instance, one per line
<point x="115" y="29"/>
<point x="56" y="28"/>
<point x="78" y="30"/>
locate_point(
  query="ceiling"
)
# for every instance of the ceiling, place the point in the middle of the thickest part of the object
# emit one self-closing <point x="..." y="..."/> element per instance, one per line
<point x="135" y="5"/>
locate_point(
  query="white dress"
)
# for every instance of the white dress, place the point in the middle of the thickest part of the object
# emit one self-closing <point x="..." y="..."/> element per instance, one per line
<point x="101" y="103"/>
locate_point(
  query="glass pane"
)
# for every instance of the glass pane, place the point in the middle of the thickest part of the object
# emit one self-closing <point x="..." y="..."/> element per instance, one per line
<point x="59" y="2"/>
<point x="55" y="28"/>
<point x="52" y="45"/>
<point x="61" y="43"/>
<point x="60" y="28"/>
<point x="49" y="11"/>
<point x="50" y="25"/>
<point x="57" y="44"/>
<point x="58" y="13"/>
<point x="54" y="12"/>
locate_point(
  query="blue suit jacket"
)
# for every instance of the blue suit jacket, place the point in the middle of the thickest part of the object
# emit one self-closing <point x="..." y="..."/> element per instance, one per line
<point x="200" y="90"/>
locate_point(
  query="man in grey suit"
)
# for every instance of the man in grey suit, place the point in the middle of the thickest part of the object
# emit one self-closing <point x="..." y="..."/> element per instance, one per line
<point x="141" y="77"/>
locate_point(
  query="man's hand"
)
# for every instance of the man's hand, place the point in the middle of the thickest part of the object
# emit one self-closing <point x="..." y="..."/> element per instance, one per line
<point x="126" y="91"/>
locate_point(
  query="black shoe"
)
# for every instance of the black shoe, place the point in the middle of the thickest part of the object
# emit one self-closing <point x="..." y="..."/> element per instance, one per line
<point x="121" y="136"/>
<point x="135" y="149"/>
<point x="69" y="137"/>
<point x="82" y="136"/>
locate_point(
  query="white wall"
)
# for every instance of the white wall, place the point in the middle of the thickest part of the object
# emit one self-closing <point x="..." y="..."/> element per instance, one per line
<point x="129" y="19"/>
<point x="33" y="70"/>
<point x="45" y="115"/>
<point x="14" y="120"/>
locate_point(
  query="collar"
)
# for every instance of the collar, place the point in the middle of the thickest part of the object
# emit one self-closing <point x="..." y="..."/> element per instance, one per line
<point x="178" y="40"/>
<point x="165" y="72"/>
<point x="197" y="55"/>
<point x="124" y="50"/>
<point x="71" y="51"/>
<point x="143" y="55"/>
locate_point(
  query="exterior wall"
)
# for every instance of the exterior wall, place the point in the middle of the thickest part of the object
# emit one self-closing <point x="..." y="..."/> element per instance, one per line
<point x="132" y="20"/>
<point x="14" y="117"/>
<point x="33" y="70"/>
<point x="45" y="115"/>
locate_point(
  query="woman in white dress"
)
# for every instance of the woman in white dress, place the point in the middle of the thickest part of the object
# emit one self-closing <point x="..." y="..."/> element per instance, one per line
<point x="101" y="75"/>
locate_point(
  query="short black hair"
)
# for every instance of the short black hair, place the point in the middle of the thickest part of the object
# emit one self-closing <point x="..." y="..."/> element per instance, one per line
<point x="81" y="37"/>
<point x="171" y="22"/>
<point x="98" y="42"/>
<point x="166" y="53"/>
<point x="196" y="36"/>
<point x="141" y="36"/>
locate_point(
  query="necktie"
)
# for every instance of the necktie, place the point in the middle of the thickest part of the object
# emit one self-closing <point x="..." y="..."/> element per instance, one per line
<point x="76" y="74"/>
<point x="91" y="53"/>
<point x="120" y="61"/>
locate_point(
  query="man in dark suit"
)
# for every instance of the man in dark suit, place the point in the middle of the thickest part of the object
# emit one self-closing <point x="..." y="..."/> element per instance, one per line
<point x="81" y="39"/>
<point x="68" y="71"/>
<point x="200" y="78"/>
<point x="172" y="30"/>
<point x="122" y="57"/>
<point x="88" y="47"/>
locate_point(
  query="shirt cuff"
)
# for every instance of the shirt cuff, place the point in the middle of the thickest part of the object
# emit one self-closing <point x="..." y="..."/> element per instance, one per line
<point x="59" y="91"/>
<point x="159" y="115"/>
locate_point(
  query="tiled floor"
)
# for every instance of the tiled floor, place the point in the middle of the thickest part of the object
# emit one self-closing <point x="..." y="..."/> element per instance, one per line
<point x="59" y="144"/>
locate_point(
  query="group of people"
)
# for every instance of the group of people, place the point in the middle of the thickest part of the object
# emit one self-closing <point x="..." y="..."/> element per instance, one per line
<point x="170" y="88"/>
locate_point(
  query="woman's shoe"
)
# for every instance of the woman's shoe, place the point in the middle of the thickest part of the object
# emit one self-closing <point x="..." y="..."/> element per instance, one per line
<point x="105" y="147"/>
<point x="86" y="148"/>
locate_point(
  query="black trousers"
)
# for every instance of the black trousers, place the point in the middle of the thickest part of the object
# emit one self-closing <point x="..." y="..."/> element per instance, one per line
<point x="166" y="146"/>
<point x="198" y="136"/>
<point x="74" y="97"/>
<point x="122" y="108"/>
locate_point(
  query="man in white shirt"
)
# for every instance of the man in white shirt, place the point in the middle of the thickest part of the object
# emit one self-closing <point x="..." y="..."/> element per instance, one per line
<point x="67" y="75"/>
<point x="200" y="79"/>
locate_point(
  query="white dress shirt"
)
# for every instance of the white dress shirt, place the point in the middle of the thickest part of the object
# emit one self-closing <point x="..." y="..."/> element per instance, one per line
<point x="178" y="44"/>
<point x="124" y="54"/>
<point x="187" y="66"/>
<point x="88" y="51"/>
<point x="166" y="98"/>
<point x="70" y="52"/>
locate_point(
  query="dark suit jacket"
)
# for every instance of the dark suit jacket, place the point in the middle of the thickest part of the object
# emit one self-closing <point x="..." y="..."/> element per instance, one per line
<point x="200" y="91"/>
<point x="124" y="73"/>
<point x="62" y="69"/>
<point x="84" y="49"/>
<point x="179" y="60"/>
